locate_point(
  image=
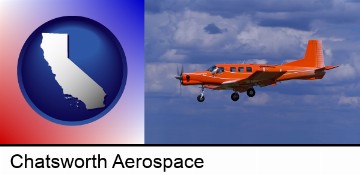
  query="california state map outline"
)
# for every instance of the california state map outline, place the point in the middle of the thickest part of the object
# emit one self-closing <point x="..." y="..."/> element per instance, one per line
<point x="73" y="81"/>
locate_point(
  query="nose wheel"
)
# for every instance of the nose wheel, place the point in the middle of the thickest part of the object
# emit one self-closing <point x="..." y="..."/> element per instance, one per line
<point x="250" y="92"/>
<point x="235" y="96"/>
<point x="201" y="97"/>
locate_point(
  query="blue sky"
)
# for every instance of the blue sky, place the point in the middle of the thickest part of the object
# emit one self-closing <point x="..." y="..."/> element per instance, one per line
<point x="199" y="33"/>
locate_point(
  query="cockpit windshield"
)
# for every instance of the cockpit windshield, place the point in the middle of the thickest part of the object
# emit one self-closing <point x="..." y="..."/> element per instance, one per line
<point x="212" y="68"/>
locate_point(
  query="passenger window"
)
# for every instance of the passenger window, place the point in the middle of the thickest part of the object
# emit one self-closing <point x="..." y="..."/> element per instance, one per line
<point x="220" y="70"/>
<point x="241" y="69"/>
<point x="232" y="69"/>
<point x="248" y="69"/>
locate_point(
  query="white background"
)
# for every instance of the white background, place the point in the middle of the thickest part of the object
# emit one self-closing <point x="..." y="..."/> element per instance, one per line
<point x="218" y="160"/>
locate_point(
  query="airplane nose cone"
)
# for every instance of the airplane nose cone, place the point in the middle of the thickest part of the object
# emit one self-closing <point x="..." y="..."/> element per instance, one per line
<point x="178" y="77"/>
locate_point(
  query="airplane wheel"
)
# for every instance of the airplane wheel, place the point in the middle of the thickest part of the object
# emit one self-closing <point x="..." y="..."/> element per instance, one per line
<point x="200" y="99"/>
<point x="251" y="92"/>
<point x="235" y="96"/>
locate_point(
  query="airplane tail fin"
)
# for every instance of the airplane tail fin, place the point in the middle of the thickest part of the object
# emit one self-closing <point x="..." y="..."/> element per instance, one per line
<point x="313" y="56"/>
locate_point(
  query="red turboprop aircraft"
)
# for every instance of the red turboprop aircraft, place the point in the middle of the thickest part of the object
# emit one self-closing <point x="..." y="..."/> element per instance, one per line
<point x="243" y="77"/>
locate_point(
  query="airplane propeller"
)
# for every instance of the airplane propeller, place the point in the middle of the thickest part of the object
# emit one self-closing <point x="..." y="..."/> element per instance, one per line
<point x="179" y="76"/>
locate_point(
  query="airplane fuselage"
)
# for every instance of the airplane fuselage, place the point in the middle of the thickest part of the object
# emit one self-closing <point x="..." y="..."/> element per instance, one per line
<point x="242" y="71"/>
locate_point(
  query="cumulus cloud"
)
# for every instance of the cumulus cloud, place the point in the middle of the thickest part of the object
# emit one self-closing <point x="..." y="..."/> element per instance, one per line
<point x="256" y="61"/>
<point x="273" y="40"/>
<point x="173" y="55"/>
<point x="196" y="37"/>
<point x="160" y="77"/>
<point x="190" y="29"/>
<point x="192" y="35"/>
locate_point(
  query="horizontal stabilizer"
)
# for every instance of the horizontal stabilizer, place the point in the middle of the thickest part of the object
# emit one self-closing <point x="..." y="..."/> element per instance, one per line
<point x="330" y="67"/>
<point x="326" y="68"/>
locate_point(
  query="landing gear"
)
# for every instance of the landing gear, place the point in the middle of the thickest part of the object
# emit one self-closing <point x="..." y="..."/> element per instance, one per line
<point x="235" y="96"/>
<point x="201" y="97"/>
<point x="250" y="92"/>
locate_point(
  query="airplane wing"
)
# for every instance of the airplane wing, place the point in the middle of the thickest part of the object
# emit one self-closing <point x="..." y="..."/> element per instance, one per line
<point x="261" y="76"/>
<point x="258" y="77"/>
<point x="234" y="81"/>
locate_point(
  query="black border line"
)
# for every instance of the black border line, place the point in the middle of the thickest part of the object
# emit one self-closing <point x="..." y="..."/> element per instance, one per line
<point x="179" y="145"/>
